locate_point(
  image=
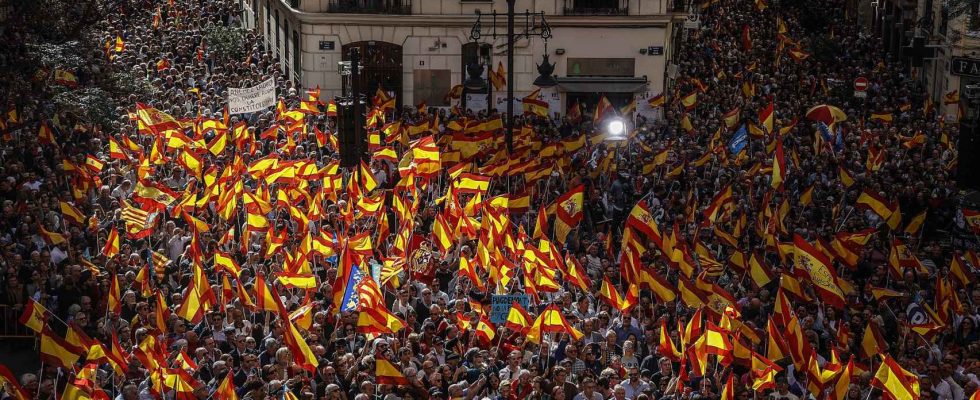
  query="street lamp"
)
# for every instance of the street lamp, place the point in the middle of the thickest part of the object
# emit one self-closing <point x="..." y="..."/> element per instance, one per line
<point x="616" y="129"/>
<point x="532" y="27"/>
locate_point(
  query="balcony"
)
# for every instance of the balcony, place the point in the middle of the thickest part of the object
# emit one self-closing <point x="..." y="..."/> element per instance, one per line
<point x="394" y="7"/>
<point x="597" y="7"/>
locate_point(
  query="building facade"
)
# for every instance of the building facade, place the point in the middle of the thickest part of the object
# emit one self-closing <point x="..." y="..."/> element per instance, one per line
<point x="419" y="49"/>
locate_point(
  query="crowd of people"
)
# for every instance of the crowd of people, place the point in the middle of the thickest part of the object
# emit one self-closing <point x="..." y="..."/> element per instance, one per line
<point x="178" y="252"/>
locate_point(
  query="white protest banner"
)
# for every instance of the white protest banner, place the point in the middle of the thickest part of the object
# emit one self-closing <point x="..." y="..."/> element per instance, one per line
<point x="252" y="99"/>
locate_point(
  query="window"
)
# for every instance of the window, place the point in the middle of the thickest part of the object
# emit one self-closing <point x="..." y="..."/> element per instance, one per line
<point x="431" y="86"/>
<point x="285" y="48"/>
<point x="296" y="54"/>
<point x="276" y="44"/>
<point x="268" y="25"/>
<point x="597" y="7"/>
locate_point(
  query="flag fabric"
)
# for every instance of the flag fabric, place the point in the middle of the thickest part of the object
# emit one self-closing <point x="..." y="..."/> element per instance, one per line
<point x="551" y="320"/>
<point x="111" y="248"/>
<point x="568" y="212"/>
<point x="739" y="140"/>
<point x="872" y="201"/>
<point x="518" y="319"/>
<point x="820" y="270"/>
<point x="778" y="166"/>
<point x="58" y="352"/>
<point x="602" y="108"/>
<point x="387" y="374"/>
<point x="35" y="316"/>
<point x="657" y="101"/>
<point x="896" y="381"/>
<point x="766" y="117"/>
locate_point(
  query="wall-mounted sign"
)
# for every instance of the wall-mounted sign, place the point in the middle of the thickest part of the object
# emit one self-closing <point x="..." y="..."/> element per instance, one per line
<point x="655" y="50"/>
<point x="327" y="45"/>
<point x="963" y="66"/>
<point x="601" y="66"/>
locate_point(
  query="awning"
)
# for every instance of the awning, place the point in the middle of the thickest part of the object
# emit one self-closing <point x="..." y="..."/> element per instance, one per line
<point x="600" y="84"/>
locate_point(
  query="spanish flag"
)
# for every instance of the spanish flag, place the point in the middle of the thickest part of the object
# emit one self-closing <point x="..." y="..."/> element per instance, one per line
<point x="690" y="101"/>
<point x="226" y="390"/>
<point x="884" y="117"/>
<point x="778" y="166"/>
<point x="533" y="106"/>
<point x="667" y="347"/>
<point x="746" y="38"/>
<point x="518" y="319"/>
<point x="35" y="316"/>
<point x="551" y="320"/>
<point x="766" y="117"/>
<point x="302" y="354"/>
<point x="874" y="202"/>
<point x="58" y="352"/>
<point x="714" y="210"/>
<point x="972" y="219"/>
<point x="612" y="297"/>
<point x="656" y="101"/>
<point x="895" y="381"/>
<point x="569" y="212"/>
<point x="731" y="118"/>
<point x="820" y="270"/>
<point x="387" y="374"/>
<point x="111" y="244"/>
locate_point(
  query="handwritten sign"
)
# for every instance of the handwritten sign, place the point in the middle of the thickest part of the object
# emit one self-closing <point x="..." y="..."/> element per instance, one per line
<point x="500" y="306"/>
<point x="252" y="99"/>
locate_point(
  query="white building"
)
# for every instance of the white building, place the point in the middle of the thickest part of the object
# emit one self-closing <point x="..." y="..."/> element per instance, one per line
<point x="418" y="48"/>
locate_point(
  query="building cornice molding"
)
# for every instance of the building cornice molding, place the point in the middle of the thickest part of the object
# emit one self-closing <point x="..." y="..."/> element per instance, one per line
<point x="466" y="21"/>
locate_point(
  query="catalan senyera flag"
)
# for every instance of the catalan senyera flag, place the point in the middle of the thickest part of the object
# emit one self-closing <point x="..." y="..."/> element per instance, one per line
<point x="387" y="374"/>
<point x="569" y="212"/>
<point x="898" y="383"/>
<point x="820" y="270"/>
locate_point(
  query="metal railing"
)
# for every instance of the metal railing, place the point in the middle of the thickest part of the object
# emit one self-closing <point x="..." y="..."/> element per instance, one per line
<point x="397" y="7"/>
<point x="597" y="7"/>
<point x="10" y="327"/>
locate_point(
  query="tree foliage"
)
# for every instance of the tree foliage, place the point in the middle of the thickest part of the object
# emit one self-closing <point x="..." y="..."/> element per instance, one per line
<point x="226" y="42"/>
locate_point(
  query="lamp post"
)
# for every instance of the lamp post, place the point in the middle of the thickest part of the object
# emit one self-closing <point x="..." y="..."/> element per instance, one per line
<point x="534" y="25"/>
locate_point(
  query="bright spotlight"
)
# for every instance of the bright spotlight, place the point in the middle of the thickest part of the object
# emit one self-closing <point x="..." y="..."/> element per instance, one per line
<point x="616" y="129"/>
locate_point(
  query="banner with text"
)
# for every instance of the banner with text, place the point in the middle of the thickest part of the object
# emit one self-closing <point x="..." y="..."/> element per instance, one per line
<point x="501" y="304"/>
<point x="252" y="99"/>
